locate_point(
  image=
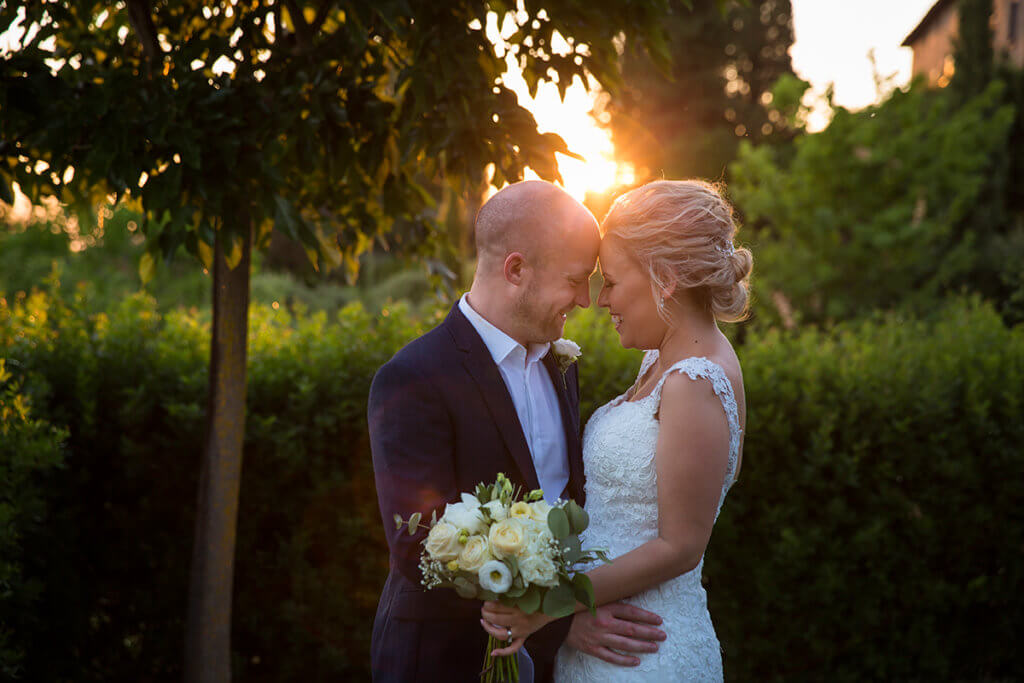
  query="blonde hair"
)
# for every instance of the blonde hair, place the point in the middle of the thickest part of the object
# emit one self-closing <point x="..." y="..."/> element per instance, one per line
<point x="681" y="231"/>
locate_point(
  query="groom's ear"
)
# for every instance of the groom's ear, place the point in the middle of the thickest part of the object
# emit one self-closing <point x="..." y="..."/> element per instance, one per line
<point x="515" y="264"/>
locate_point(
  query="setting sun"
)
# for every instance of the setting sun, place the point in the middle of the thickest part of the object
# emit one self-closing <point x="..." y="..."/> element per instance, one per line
<point x="575" y="119"/>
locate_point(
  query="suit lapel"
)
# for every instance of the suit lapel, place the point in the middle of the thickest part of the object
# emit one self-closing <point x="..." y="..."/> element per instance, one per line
<point x="485" y="373"/>
<point x="570" y="424"/>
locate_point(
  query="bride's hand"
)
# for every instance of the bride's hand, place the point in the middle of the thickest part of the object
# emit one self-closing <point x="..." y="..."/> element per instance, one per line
<point x="500" y="621"/>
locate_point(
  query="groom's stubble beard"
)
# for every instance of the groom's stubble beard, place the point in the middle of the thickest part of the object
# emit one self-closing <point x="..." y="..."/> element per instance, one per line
<point x="531" y="317"/>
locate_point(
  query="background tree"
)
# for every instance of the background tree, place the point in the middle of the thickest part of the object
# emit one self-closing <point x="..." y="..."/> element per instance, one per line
<point x="686" y="117"/>
<point x="223" y="121"/>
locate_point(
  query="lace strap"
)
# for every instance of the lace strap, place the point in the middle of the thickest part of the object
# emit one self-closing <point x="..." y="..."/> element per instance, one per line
<point x="700" y="367"/>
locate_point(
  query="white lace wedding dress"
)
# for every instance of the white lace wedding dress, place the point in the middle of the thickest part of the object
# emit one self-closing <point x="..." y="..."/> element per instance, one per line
<point x="622" y="501"/>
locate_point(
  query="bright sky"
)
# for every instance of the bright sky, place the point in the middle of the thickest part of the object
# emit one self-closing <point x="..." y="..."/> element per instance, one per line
<point x="832" y="41"/>
<point x="833" y="38"/>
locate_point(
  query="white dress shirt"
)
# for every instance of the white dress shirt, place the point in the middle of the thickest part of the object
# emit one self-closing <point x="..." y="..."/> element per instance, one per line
<point x="534" y="398"/>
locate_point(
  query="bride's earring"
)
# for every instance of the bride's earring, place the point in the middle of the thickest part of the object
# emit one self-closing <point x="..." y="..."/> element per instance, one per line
<point x="661" y="303"/>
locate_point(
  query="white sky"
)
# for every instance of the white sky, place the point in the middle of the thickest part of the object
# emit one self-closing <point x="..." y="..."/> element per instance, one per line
<point x="832" y="40"/>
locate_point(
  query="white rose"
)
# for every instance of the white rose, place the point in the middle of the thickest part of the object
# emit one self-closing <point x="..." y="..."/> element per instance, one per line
<point x="465" y="517"/>
<point x="495" y="577"/>
<point x="475" y="554"/>
<point x="539" y="511"/>
<point x="507" y="538"/>
<point x="567" y="348"/>
<point x="539" y="570"/>
<point x="540" y="540"/>
<point x="443" y="542"/>
<point x="499" y="512"/>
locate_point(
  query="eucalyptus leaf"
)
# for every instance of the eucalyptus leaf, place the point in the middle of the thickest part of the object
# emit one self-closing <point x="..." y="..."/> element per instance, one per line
<point x="578" y="517"/>
<point x="558" y="522"/>
<point x="529" y="601"/>
<point x="398" y="521"/>
<point x="414" y="522"/>
<point x="571" y="549"/>
<point x="560" y="601"/>
<point x="583" y="590"/>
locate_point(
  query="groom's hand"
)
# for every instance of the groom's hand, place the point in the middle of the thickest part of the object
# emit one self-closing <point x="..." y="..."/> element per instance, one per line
<point x="619" y="626"/>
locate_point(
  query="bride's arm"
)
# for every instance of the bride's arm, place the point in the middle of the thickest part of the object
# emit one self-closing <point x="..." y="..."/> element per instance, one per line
<point x="691" y="460"/>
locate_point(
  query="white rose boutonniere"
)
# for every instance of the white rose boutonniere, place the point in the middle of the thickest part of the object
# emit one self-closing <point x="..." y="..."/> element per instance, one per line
<point x="566" y="353"/>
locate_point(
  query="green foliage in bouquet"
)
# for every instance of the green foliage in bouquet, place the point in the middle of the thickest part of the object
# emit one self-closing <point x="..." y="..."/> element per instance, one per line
<point x="476" y="516"/>
<point x="496" y="544"/>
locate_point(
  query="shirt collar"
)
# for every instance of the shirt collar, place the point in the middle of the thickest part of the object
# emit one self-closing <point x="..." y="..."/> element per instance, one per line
<point x="499" y="344"/>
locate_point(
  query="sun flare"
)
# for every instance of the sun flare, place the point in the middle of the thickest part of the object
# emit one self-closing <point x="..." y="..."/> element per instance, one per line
<point x="573" y="119"/>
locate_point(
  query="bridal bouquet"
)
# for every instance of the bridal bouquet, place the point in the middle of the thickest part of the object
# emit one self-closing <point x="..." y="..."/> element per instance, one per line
<point x="496" y="545"/>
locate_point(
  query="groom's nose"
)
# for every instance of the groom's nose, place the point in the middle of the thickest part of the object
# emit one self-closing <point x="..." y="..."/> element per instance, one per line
<point x="583" y="295"/>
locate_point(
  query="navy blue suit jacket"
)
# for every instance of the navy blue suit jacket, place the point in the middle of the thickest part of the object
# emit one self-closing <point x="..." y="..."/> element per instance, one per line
<point x="441" y="421"/>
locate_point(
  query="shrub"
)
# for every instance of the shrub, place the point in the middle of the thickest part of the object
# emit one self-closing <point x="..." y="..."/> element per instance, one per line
<point x="876" y="529"/>
<point x="30" y="449"/>
<point x="874" y="533"/>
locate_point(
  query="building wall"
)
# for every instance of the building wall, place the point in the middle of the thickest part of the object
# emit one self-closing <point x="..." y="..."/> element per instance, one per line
<point x="933" y="50"/>
<point x="1008" y="30"/>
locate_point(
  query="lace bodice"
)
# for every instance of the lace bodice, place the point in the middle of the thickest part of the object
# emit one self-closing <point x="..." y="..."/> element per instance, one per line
<point x="622" y="501"/>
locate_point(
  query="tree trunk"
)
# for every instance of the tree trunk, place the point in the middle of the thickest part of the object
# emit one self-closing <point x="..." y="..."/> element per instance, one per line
<point x="208" y="629"/>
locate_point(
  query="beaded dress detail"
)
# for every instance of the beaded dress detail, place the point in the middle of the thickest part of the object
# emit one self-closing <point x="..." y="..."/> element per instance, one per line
<point x="622" y="500"/>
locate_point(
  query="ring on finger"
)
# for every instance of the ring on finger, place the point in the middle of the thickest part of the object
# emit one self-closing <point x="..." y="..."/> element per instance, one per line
<point x="509" y="639"/>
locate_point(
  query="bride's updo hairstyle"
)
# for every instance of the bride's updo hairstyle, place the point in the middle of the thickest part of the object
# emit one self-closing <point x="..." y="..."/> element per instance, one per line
<point x="682" y="231"/>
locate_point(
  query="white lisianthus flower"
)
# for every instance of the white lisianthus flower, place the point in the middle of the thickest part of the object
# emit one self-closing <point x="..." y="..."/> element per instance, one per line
<point x="539" y="511"/>
<point x="507" y="538"/>
<point x="539" y="570"/>
<point x="520" y="510"/>
<point x="499" y="512"/>
<point x="443" y="542"/>
<point x="464" y="516"/>
<point x="495" y="577"/>
<point x="475" y="554"/>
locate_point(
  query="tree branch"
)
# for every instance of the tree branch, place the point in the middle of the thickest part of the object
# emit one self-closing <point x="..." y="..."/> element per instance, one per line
<point x="301" y="27"/>
<point x="321" y="17"/>
<point x="141" y="19"/>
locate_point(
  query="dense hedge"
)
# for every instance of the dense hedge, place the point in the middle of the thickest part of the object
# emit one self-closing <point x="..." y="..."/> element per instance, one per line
<point x="875" y="532"/>
<point x="30" y="449"/>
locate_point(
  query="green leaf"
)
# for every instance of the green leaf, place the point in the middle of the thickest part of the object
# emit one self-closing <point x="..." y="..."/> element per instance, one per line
<point x="578" y="517"/>
<point x="558" y="522"/>
<point x="583" y="590"/>
<point x="529" y="601"/>
<point x="234" y="256"/>
<point x="514" y="592"/>
<point x="147" y="267"/>
<point x="571" y="549"/>
<point x="414" y="522"/>
<point x="560" y="601"/>
<point x="398" y="521"/>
